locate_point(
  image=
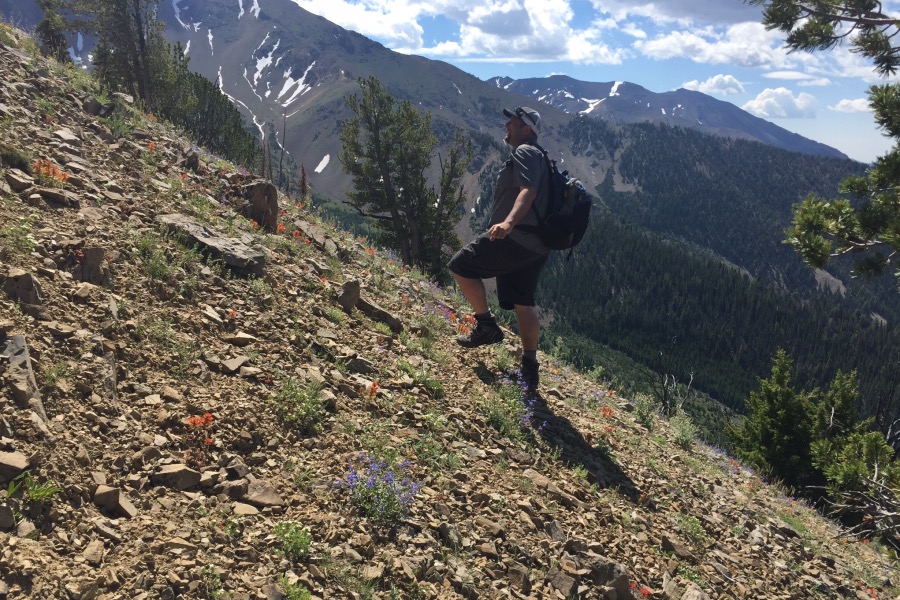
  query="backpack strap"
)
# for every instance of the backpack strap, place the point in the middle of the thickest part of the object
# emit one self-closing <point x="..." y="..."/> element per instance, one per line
<point x="537" y="212"/>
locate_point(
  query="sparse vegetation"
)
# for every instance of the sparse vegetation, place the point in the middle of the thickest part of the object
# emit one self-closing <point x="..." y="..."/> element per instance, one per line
<point x="299" y="405"/>
<point x="17" y="236"/>
<point x="684" y="430"/>
<point x="378" y="491"/>
<point x="293" y="591"/>
<point x="645" y="410"/>
<point x="294" y="540"/>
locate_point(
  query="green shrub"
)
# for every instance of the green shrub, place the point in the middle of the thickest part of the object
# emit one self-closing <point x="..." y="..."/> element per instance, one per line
<point x="15" y="158"/>
<point x="691" y="526"/>
<point x="293" y="541"/>
<point x="293" y="591"/>
<point x="18" y="235"/>
<point x="300" y="405"/>
<point x="6" y="37"/>
<point x="645" y="410"/>
<point x="684" y="430"/>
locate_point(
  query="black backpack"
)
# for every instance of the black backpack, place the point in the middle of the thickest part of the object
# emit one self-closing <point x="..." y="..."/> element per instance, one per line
<point x="568" y="210"/>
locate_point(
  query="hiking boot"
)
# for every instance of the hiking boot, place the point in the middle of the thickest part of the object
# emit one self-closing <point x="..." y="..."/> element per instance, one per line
<point x="482" y="335"/>
<point x="529" y="375"/>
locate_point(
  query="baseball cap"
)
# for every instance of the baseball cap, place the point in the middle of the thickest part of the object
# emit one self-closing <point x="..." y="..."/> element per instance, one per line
<point x="531" y="117"/>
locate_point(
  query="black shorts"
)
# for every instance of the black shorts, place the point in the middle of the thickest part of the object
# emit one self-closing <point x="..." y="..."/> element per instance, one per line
<point x="516" y="268"/>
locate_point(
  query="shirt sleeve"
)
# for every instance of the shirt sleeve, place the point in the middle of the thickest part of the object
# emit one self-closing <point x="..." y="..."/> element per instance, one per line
<point x="527" y="162"/>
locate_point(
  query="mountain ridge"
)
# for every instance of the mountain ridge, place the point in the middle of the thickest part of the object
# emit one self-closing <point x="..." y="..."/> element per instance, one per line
<point x="625" y="102"/>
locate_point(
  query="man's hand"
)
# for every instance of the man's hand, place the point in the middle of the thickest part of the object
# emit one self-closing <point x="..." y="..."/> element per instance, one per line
<point x="523" y="202"/>
<point x="499" y="230"/>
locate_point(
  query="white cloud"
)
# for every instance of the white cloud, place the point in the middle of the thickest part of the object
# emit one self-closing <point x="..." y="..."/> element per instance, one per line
<point x="526" y="31"/>
<point x="746" y="45"/>
<point x="781" y="103"/>
<point x="787" y="75"/>
<point x="720" y="85"/>
<point x="394" y="23"/>
<point x="851" y="106"/>
<point x="817" y="82"/>
<point x="679" y="11"/>
<point x="802" y="79"/>
<point x="634" y="31"/>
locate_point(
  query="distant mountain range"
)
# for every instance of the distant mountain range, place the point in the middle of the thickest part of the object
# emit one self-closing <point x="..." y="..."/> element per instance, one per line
<point x="623" y="102"/>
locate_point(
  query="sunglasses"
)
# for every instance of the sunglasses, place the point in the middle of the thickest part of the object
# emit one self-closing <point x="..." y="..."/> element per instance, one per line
<point x="522" y="114"/>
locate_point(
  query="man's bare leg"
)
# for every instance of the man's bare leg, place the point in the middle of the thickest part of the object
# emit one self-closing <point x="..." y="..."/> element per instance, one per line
<point x="529" y="327"/>
<point x="474" y="292"/>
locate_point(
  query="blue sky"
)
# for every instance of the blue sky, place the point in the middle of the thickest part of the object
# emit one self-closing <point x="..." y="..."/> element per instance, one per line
<point x="715" y="46"/>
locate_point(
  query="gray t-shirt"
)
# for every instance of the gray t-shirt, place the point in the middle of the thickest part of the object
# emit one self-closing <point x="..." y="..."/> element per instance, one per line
<point x="526" y="167"/>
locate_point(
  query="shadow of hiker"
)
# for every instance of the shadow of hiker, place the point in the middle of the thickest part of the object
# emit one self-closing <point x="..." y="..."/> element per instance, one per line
<point x="484" y="373"/>
<point x="559" y="432"/>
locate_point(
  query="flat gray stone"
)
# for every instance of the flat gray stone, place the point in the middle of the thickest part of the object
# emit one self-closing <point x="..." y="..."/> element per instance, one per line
<point x="11" y="465"/>
<point x="235" y="253"/>
<point x="177" y="476"/>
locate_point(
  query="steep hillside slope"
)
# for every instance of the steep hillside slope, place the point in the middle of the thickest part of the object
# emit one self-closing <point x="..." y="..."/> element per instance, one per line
<point x="172" y="427"/>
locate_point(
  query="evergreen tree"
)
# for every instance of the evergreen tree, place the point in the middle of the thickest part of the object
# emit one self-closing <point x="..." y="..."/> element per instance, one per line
<point x="776" y="434"/>
<point x="868" y="223"/>
<point x="130" y="47"/>
<point x="387" y="151"/>
<point x="51" y="30"/>
<point x="843" y="448"/>
<point x="132" y="56"/>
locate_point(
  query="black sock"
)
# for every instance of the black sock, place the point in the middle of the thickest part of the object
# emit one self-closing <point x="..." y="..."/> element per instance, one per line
<point x="529" y="355"/>
<point x="486" y="318"/>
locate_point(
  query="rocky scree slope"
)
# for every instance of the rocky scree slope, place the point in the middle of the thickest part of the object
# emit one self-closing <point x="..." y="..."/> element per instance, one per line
<point x="118" y="339"/>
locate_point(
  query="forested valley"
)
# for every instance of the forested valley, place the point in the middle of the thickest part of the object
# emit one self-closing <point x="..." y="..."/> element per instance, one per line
<point x="689" y="273"/>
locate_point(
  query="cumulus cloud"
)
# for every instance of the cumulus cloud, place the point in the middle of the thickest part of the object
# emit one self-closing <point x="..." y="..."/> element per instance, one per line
<point x="781" y="103"/>
<point x="746" y="45"/>
<point x="719" y="85"/>
<point x="679" y="11"/>
<point x="855" y="105"/>
<point x="499" y="30"/>
<point x="394" y="23"/>
<point x="527" y="31"/>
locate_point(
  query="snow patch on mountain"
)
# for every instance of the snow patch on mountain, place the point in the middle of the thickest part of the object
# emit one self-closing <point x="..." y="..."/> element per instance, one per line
<point x="615" y="88"/>
<point x="592" y="104"/>
<point x="457" y="88"/>
<point x="209" y="36"/>
<point x="187" y="47"/>
<point x="290" y="82"/>
<point x="241" y="8"/>
<point x="264" y="62"/>
<point x="323" y="163"/>
<point x="259" y="125"/>
<point x="177" y="10"/>
<point x="254" y="10"/>
<point x="252" y="86"/>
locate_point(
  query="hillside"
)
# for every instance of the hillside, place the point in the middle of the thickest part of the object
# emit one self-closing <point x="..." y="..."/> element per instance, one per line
<point x="166" y="417"/>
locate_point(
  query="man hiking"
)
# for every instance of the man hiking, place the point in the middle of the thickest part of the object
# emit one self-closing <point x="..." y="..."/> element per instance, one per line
<point x="514" y="256"/>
